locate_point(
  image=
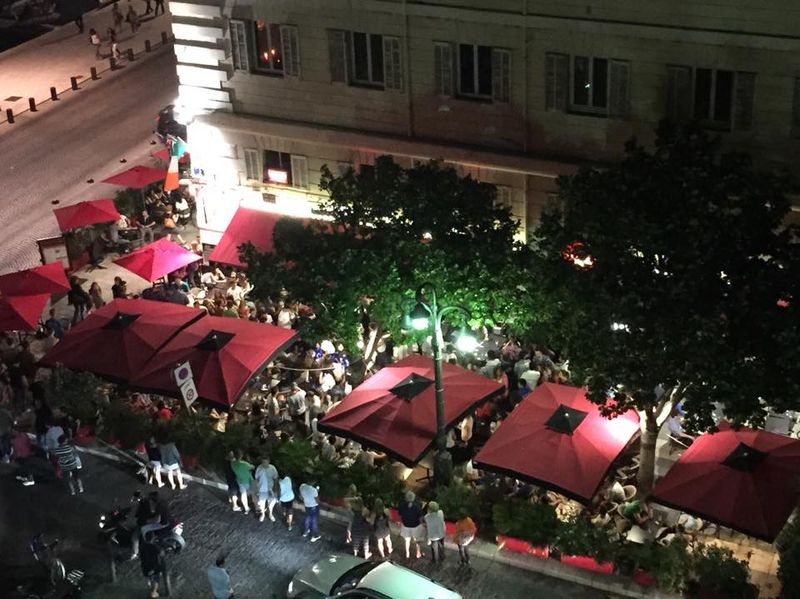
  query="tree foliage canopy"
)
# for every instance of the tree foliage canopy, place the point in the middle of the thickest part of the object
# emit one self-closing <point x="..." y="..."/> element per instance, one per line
<point x="390" y="230"/>
<point x="693" y="285"/>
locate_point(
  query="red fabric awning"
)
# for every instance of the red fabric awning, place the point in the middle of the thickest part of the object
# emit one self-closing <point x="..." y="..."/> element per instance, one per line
<point x="395" y="409"/>
<point x="117" y="340"/>
<point x="87" y="213"/>
<point x="224" y="353"/>
<point x="157" y="259"/>
<point x="746" y="480"/>
<point x="22" y="312"/>
<point x="247" y="225"/>
<point x="137" y="177"/>
<point x="49" y="278"/>
<point x="557" y="438"/>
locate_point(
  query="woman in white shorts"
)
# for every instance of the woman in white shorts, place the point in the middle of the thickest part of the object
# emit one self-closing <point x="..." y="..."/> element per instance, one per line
<point x="154" y="463"/>
<point x="171" y="464"/>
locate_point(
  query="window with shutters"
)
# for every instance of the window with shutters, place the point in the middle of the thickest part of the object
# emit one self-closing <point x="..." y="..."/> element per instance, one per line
<point x="392" y="63"/>
<point x="718" y="99"/>
<point x="252" y="164"/>
<point x="475" y="71"/>
<point x="337" y="55"/>
<point x="443" y="68"/>
<point x="239" y="51"/>
<point x="269" y="49"/>
<point x="299" y="172"/>
<point x="367" y="58"/>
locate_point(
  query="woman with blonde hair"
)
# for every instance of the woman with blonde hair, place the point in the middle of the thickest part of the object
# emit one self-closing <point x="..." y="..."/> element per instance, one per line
<point x="434" y="525"/>
<point x="380" y="528"/>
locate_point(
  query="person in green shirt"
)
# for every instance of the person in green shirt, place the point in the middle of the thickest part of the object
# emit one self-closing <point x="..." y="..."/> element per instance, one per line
<point x="244" y="476"/>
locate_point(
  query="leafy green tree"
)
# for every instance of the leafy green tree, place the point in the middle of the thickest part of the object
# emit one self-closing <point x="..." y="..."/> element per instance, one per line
<point x="672" y="278"/>
<point x="390" y="230"/>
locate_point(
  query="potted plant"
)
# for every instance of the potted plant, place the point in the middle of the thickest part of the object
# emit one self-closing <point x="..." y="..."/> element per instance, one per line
<point x="586" y="546"/>
<point x="716" y="573"/>
<point x="80" y="394"/>
<point x="126" y="427"/>
<point x="191" y="433"/>
<point x="525" y="528"/>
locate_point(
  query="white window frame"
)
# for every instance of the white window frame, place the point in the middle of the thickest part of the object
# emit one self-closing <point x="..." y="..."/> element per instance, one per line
<point x="589" y="107"/>
<point x="290" y="48"/>
<point x="258" y="67"/>
<point x="240" y="52"/>
<point x="475" y="94"/>
<point x="710" y="120"/>
<point x="369" y="81"/>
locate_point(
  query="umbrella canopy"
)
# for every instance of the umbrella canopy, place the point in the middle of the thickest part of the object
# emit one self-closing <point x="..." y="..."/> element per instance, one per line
<point x="117" y="340"/>
<point x="49" y="278"/>
<point x="247" y="226"/>
<point x="224" y="353"/>
<point x="137" y="177"/>
<point x="746" y="480"/>
<point x="157" y="259"/>
<point x="395" y="409"/>
<point x="87" y="213"/>
<point x="22" y="312"/>
<point x="557" y="438"/>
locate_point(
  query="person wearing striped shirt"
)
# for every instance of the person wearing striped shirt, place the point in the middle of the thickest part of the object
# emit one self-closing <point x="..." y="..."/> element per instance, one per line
<point x="70" y="464"/>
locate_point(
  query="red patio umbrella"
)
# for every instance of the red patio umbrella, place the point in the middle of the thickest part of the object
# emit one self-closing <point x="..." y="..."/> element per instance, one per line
<point x="157" y="259"/>
<point x="395" y="409"/>
<point x="22" y="312"/>
<point x="557" y="438"/>
<point x="224" y="353"/>
<point x="137" y="177"/>
<point x="118" y="339"/>
<point x="247" y="225"/>
<point x="49" y="278"/>
<point x="746" y="480"/>
<point x="87" y="213"/>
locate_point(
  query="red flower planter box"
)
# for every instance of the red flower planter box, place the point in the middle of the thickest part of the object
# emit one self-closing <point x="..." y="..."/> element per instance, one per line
<point x="588" y="563"/>
<point x="520" y="546"/>
<point x="394" y="515"/>
<point x="643" y="578"/>
<point x="449" y="528"/>
<point x="84" y="436"/>
<point x="190" y="461"/>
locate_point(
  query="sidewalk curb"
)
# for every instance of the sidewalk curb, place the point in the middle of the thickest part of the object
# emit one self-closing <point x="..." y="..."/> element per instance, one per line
<point x="484" y="549"/>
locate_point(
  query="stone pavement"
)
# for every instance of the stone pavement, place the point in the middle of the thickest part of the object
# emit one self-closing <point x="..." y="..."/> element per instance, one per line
<point x="261" y="557"/>
<point x="30" y="69"/>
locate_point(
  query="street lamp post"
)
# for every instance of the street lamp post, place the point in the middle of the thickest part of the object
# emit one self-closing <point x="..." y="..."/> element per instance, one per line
<point x="425" y="314"/>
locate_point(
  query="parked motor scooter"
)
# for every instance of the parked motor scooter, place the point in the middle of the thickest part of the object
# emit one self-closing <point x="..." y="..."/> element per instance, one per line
<point x="118" y="525"/>
<point x="49" y="579"/>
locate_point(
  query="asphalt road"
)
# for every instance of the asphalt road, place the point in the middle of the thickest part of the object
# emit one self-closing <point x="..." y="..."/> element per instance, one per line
<point x="261" y="557"/>
<point x="51" y="155"/>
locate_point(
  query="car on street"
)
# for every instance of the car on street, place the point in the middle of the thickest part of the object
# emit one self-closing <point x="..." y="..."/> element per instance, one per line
<point x="349" y="577"/>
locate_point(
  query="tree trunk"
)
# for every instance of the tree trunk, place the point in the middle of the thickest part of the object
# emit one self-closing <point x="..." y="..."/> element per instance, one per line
<point x="647" y="453"/>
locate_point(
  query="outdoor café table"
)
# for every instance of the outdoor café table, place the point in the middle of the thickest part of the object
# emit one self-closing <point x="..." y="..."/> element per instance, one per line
<point x="637" y="534"/>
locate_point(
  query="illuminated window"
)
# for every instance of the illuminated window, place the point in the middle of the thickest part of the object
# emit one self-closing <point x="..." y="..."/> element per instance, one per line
<point x="269" y="57"/>
<point x="277" y="168"/>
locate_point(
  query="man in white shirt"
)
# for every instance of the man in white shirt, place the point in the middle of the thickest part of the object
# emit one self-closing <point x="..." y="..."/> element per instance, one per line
<point x="309" y="493"/>
<point x="266" y="477"/>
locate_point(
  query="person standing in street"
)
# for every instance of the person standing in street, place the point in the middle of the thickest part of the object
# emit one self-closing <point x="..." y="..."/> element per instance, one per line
<point x="159" y="4"/>
<point x="69" y="463"/>
<point x="434" y="524"/>
<point x="147" y="8"/>
<point x="220" y="580"/>
<point x="286" y="497"/>
<point x="94" y="39"/>
<point x="117" y="17"/>
<point x="267" y="479"/>
<point x="152" y="561"/>
<point x="309" y="492"/>
<point x="76" y="295"/>
<point x="244" y="478"/>
<point x="114" y="47"/>
<point x="171" y="463"/>
<point x="133" y="18"/>
<point x="411" y="523"/>
<point x="381" y="529"/>
<point x="233" y="484"/>
<point x="464" y="535"/>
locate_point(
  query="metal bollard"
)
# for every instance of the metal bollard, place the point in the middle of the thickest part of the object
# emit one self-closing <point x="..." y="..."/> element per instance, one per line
<point x="112" y="63"/>
<point x="129" y="54"/>
<point x="164" y="37"/>
<point x="10" y="116"/>
<point x="93" y="71"/>
<point x="147" y="46"/>
<point x="74" y="83"/>
<point x="32" y="104"/>
<point x="53" y="94"/>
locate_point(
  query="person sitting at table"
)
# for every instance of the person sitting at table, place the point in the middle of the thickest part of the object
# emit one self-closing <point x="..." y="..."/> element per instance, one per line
<point x="636" y="511"/>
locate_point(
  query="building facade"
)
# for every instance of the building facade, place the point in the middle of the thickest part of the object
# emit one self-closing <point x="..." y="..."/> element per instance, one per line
<point x="514" y="92"/>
